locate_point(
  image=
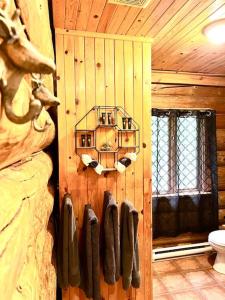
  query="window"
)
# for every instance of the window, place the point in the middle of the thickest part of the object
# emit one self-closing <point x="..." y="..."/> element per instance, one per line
<point x="180" y="152"/>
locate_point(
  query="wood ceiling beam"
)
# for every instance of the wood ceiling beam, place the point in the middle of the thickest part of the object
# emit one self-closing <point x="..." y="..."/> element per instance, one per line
<point x="167" y="77"/>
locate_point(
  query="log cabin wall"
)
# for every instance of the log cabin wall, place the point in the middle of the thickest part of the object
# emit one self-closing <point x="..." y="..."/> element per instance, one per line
<point x="26" y="234"/>
<point x="99" y="69"/>
<point x="171" y="90"/>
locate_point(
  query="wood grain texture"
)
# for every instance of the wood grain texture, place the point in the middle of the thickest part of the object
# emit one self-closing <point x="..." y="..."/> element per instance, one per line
<point x="26" y="240"/>
<point x="187" y="78"/>
<point x="19" y="141"/>
<point x="26" y="234"/>
<point x="35" y="16"/>
<point x="107" y="71"/>
<point x="174" y="25"/>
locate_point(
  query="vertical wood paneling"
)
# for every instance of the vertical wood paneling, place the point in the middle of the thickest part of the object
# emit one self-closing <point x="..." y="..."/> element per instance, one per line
<point x="120" y="93"/>
<point x="100" y="100"/>
<point x="62" y="126"/>
<point x="102" y="70"/>
<point x="129" y="107"/>
<point x="138" y="168"/>
<point x="71" y="117"/>
<point x="61" y="111"/>
<point x="146" y="130"/>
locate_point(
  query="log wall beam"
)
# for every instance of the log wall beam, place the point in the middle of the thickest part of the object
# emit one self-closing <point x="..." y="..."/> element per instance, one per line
<point x="187" y="78"/>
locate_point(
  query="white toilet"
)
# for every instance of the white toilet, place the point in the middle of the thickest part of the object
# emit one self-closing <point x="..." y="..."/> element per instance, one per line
<point x="217" y="241"/>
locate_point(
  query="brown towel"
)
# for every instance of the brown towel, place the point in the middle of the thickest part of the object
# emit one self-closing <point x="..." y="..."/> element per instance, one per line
<point x="90" y="262"/>
<point x="68" y="258"/>
<point x="129" y="246"/>
<point x="110" y="239"/>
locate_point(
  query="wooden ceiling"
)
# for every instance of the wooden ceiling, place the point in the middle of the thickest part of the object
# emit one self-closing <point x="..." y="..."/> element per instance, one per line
<point x="174" y="25"/>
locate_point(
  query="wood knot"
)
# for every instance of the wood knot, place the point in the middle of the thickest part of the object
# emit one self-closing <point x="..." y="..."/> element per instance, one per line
<point x="67" y="111"/>
<point x="95" y="16"/>
<point x="66" y="52"/>
<point x="77" y="101"/>
<point x="19" y="288"/>
<point x="144" y="145"/>
<point x="98" y="65"/>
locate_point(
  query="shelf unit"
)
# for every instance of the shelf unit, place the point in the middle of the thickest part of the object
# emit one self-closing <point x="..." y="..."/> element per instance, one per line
<point x="107" y="120"/>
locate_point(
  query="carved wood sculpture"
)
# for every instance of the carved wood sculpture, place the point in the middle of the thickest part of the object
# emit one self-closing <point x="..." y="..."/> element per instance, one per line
<point x="46" y="98"/>
<point x="26" y="235"/>
<point x="17" y="58"/>
<point x="26" y="203"/>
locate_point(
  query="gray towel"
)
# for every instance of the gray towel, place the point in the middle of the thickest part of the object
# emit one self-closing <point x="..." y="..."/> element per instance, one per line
<point x="110" y="239"/>
<point x="90" y="263"/>
<point x="129" y="246"/>
<point x="68" y="257"/>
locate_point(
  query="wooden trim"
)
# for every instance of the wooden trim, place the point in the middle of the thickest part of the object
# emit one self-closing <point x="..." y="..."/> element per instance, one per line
<point x="167" y="77"/>
<point x="180" y="239"/>
<point x="102" y="35"/>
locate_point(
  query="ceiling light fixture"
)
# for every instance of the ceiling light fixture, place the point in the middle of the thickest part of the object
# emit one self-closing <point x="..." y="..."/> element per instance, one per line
<point x="134" y="3"/>
<point x="215" y="31"/>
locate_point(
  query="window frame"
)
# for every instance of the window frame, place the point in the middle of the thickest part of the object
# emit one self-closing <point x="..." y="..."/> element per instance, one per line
<point x="172" y="160"/>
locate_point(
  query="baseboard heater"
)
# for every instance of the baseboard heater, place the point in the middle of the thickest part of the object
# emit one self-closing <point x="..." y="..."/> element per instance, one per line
<point x="170" y="252"/>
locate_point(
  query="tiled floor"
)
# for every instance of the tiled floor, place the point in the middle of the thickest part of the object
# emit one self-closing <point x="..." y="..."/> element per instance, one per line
<point x="189" y="278"/>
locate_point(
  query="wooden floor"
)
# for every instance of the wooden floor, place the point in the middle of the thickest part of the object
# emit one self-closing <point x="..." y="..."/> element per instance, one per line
<point x="189" y="278"/>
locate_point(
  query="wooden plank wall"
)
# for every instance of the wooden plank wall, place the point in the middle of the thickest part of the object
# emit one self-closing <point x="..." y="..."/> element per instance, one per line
<point x="168" y="91"/>
<point x="98" y="69"/>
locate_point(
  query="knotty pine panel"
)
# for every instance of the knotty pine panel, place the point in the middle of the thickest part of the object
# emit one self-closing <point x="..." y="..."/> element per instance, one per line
<point x="175" y="27"/>
<point x="102" y="69"/>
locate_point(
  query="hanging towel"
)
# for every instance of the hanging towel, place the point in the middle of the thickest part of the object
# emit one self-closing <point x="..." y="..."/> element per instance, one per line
<point x="110" y="239"/>
<point x="90" y="262"/>
<point x="129" y="246"/>
<point x="68" y="257"/>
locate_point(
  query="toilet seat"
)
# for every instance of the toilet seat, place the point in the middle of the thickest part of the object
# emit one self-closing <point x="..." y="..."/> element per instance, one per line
<point x="217" y="237"/>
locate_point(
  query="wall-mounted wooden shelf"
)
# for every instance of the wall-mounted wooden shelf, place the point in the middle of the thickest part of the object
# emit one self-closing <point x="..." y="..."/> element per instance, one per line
<point x="110" y="127"/>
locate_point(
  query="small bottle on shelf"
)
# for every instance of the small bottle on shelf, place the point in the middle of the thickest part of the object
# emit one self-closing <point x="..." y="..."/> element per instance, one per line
<point x="109" y="118"/>
<point x="103" y="118"/>
<point x="129" y="123"/>
<point x="83" y="140"/>
<point x="124" y="121"/>
<point x="89" y="140"/>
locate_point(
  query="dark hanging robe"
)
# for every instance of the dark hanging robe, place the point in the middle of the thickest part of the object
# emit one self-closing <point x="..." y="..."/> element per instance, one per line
<point x="90" y="261"/>
<point x="110" y="239"/>
<point x="129" y="246"/>
<point x="68" y="256"/>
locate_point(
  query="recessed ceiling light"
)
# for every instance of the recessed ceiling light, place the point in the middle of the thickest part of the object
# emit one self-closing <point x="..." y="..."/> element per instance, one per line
<point x="215" y="31"/>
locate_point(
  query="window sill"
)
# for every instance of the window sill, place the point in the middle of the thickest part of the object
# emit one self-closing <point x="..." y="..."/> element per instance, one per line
<point x="180" y="194"/>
